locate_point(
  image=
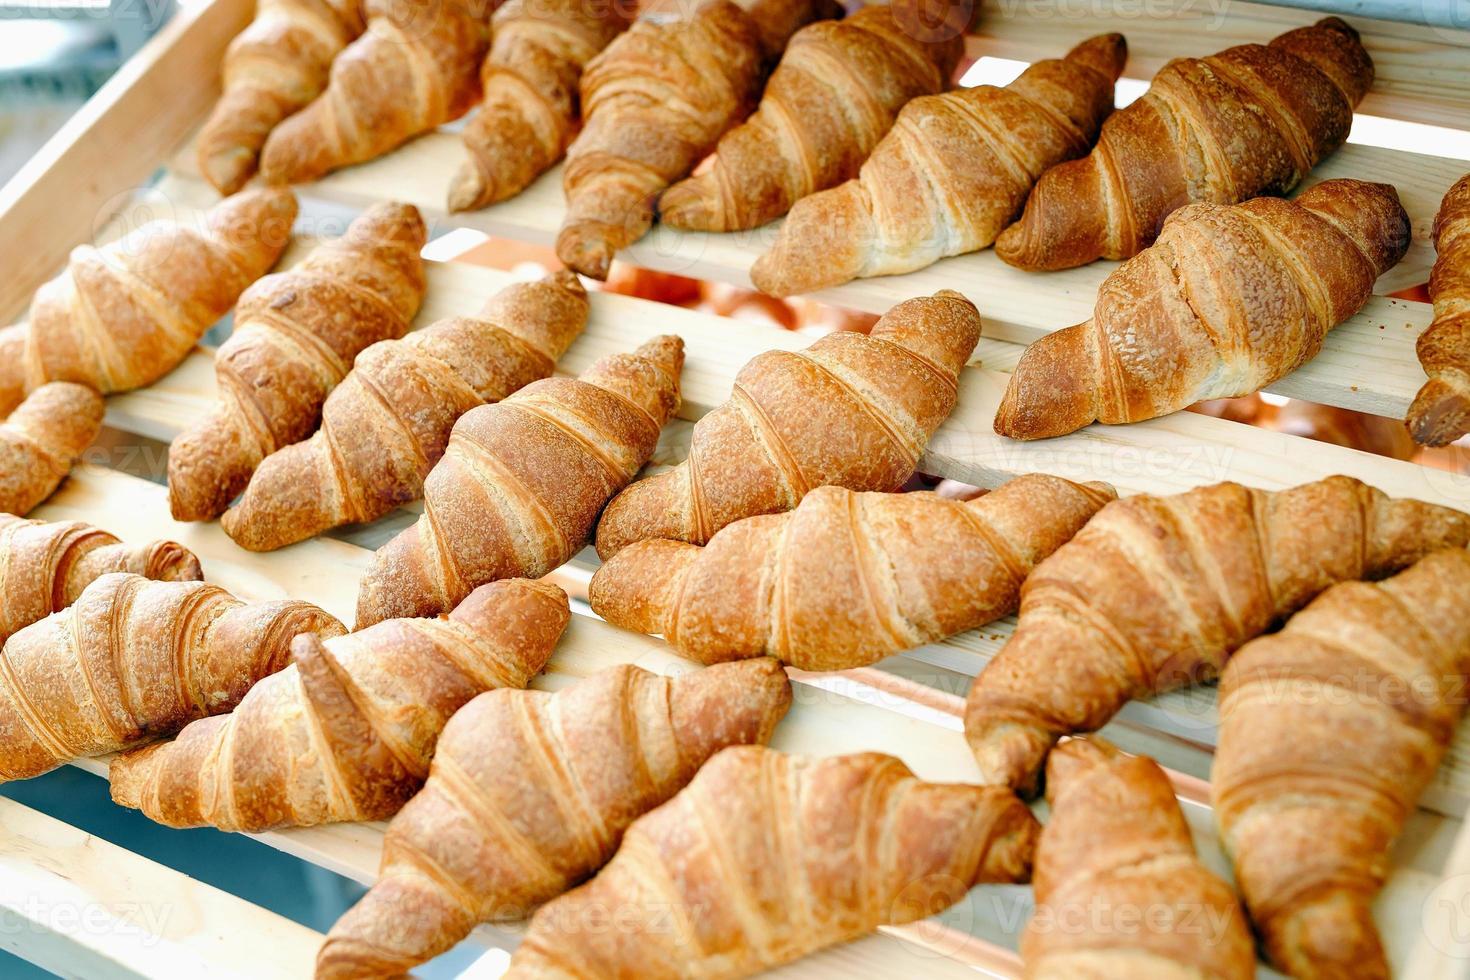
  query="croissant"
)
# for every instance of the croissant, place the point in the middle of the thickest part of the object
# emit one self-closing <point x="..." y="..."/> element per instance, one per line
<point x="654" y="103"/>
<point x="1329" y="731"/>
<point x="492" y="836"/>
<point x="1119" y="888"/>
<point x="1440" y="413"/>
<point x="346" y="732"/>
<point x="851" y="410"/>
<point x="1156" y="592"/>
<point x="1229" y="300"/>
<point x="273" y="68"/>
<point x="45" y="566"/>
<point x="522" y="481"/>
<point x="846" y="578"/>
<point x="296" y="333"/>
<point x="765" y="858"/>
<point x="41" y="440"/>
<point x="529" y="110"/>
<point x="414" y="68"/>
<point x="1250" y="120"/>
<point x="386" y="425"/>
<point x="835" y="94"/>
<point x="123" y="316"/>
<point x="133" y="658"/>
<point x="954" y="170"/>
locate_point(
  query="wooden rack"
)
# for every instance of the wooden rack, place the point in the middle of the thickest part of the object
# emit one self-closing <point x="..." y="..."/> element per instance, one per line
<point x="88" y="183"/>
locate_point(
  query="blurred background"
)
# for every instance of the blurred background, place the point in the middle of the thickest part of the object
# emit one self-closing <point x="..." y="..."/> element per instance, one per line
<point x="54" y="54"/>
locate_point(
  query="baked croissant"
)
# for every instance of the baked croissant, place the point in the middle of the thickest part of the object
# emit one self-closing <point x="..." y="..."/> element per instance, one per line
<point x="522" y="481"/>
<point x="45" y="566"/>
<point x="1120" y="891"/>
<point x="296" y="333"/>
<point x="529" y="110"/>
<point x="835" y="94"/>
<point x="654" y="103"/>
<point x="122" y="316"/>
<point x="846" y="578"/>
<point x="347" y="730"/>
<point x="765" y="858"/>
<point x="493" y="835"/>
<point x="274" y="67"/>
<point x="41" y="440"/>
<point x="132" y="659"/>
<point x="414" y="68"/>
<point x="851" y="410"/>
<point x="1229" y="300"/>
<point x="1440" y="413"/>
<point x="954" y="170"/>
<point x="1155" y="593"/>
<point x="1250" y="120"/>
<point x="386" y="425"/>
<point x="1329" y="731"/>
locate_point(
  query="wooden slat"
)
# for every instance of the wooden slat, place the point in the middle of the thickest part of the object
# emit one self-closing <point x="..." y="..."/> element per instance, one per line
<point x="1368" y="363"/>
<point x="419" y="173"/>
<point x="77" y="905"/>
<point x="75" y="183"/>
<point x="1162" y="455"/>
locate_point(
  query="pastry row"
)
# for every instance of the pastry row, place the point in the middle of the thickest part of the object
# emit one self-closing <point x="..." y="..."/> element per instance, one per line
<point x="850" y="125"/>
<point x="1330" y="727"/>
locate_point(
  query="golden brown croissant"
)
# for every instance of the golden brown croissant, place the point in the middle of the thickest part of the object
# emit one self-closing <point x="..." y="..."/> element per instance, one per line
<point x="45" y="566"/>
<point x="1441" y="411"/>
<point x="133" y="658"/>
<point x="296" y="333"/>
<point x="522" y="481"/>
<point x="846" y="578"/>
<point x="1229" y="300"/>
<point x="1329" y="731"/>
<point x="1120" y="891"/>
<point x="653" y="104"/>
<point x="529" y="111"/>
<point x="347" y="730"/>
<point x="386" y="425"/>
<point x="1156" y="593"/>
<point x="765" y="858"/>
<point x="494" y="834"/>
<point x="414" y="68"/>
<point x="835" y="94"/>
<point x="1250" y="120"/>
<point x="851" y="410"/>
<point x="274" y="67"/>
<point x="123" y="316"/>
<point x="953" y="172"/>
<point x="41" y="440"/>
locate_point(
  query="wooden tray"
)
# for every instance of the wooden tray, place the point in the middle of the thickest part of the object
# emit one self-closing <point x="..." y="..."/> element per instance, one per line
<point x="81" y="906"/>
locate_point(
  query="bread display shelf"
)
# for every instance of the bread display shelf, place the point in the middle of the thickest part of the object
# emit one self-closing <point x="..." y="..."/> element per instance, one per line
<point x="907" y="706"/>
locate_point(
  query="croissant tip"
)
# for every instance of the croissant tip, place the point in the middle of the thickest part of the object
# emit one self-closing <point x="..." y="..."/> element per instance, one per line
<point x="1440" y="414"/>
<point x="586" y="251"/>
<point x="468" y="191"/>
<point x="568" y="280"/>
<point x="1104" y="53"/>
<point x="228" y="170"/>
